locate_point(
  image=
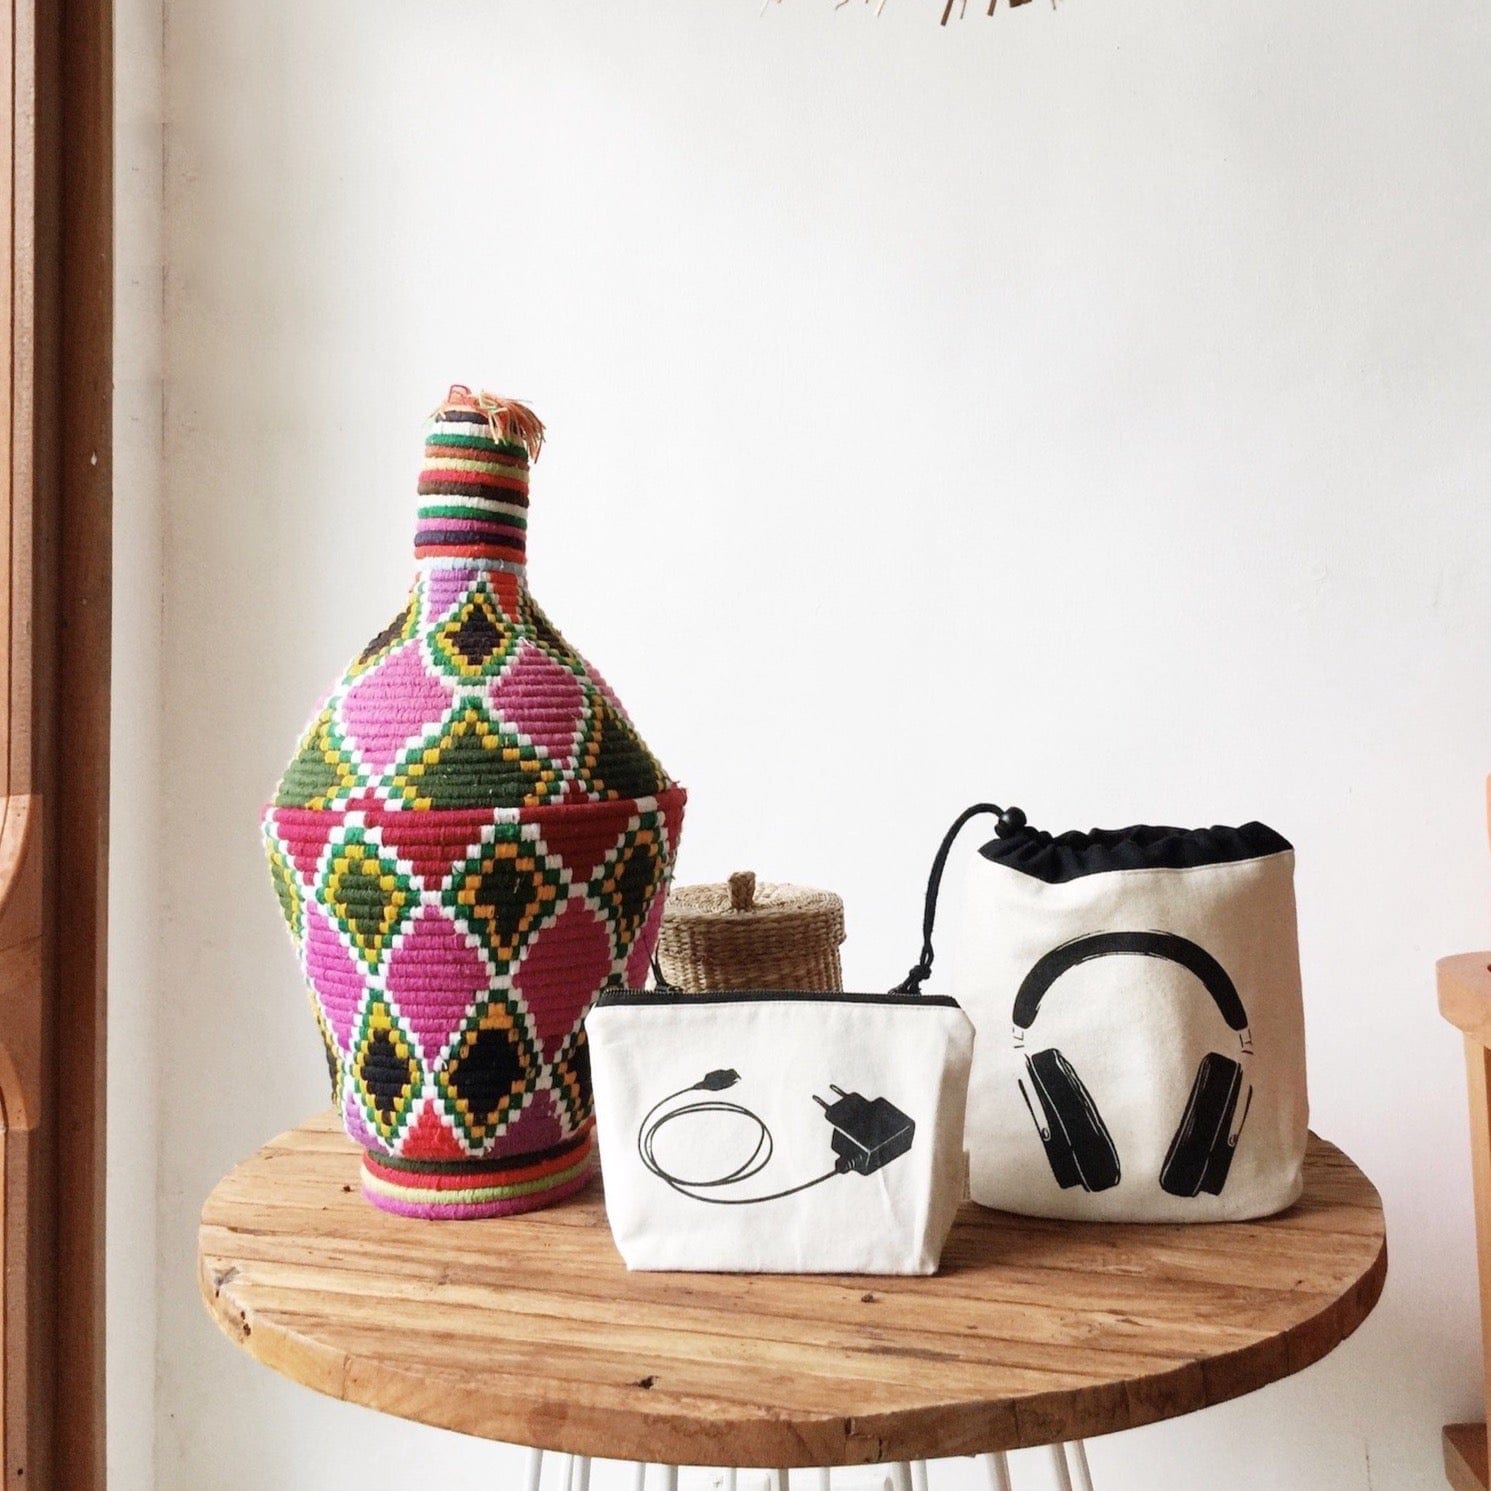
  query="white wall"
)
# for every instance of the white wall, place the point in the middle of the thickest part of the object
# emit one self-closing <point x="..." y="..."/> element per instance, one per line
<point x="1086" y="408"/>
<point x="135" y="900"/>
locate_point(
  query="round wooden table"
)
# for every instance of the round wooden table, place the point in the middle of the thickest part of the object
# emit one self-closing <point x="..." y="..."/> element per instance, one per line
<point x="530" y="1330"/>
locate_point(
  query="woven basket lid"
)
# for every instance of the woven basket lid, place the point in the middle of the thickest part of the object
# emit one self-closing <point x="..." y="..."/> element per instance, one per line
<point x="745" y="933"/>
<point x="745" y="900"/>
<point x="470" y="696"/>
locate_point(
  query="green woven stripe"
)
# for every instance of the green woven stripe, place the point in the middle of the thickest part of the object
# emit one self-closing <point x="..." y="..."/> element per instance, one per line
<point x="478" y="442"/>
<point x="480" y="514"/>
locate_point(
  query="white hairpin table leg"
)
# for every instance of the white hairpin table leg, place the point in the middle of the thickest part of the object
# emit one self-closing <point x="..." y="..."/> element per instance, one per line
<point x="639" y="1478"/>
<point x="780" y="1480"/>
<point x="535" y="1473"/>
<point x="1058" y="1464"/>
<point x="919" y="1474"/>
<point x="998" y="1467"/>
<point x="670" y="1478"/>
<point x="900" y="1476"/>
<point x="825" y="1480"/>
<point x="1078" y="1451"/>
<point x="580" y="1475"/>
<point x="732" y="1480"/>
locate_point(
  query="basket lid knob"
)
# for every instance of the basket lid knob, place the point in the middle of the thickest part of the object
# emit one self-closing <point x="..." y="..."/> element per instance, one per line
<point x="743" y="890"/>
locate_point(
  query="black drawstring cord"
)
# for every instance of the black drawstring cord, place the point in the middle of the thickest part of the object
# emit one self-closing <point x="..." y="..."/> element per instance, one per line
<point x="1011" y="820"/>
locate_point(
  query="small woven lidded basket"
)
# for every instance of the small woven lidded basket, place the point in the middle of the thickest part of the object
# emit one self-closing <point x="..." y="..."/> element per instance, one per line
<point x="742" y="935"/>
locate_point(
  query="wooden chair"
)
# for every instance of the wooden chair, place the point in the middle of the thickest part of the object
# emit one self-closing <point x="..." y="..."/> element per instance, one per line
<point x="1465" y="1001"/>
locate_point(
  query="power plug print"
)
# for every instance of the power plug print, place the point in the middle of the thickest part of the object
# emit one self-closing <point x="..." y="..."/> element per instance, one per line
<point x="867" y="1133"/>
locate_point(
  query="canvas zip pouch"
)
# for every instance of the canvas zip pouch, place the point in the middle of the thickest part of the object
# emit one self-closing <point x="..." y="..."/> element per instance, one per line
<point x="762" y="1132"/>
<point x="1141" y="1043"/>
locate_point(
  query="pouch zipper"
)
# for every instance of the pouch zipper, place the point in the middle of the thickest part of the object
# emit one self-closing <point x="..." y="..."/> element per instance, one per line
<point x="612" y="998"/>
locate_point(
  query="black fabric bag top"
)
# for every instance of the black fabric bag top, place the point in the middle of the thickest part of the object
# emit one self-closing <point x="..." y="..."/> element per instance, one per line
<point x="1055" y="858"/>
<point x="1140" y="1053"/>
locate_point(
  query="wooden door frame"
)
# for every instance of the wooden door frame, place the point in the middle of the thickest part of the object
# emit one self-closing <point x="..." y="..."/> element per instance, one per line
<point x="57" y="117"/>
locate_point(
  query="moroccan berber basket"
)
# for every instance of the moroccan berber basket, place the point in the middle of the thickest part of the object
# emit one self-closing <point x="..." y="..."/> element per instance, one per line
<point x="470" y="843"/>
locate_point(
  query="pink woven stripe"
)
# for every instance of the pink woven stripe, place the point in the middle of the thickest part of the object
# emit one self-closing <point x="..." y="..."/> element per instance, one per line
<point x="494" y="524"/>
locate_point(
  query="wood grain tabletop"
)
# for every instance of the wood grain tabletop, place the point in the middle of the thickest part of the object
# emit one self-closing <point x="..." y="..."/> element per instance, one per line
<point x="530" y="1330"/>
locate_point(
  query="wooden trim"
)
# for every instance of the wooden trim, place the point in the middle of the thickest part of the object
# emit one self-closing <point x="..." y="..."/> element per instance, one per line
<point x="56" y="309"/>
<point x="82" y="619"/>
<point x="27" y="1212"/>
<point x="1465" y="993"/>
<point x="1465" y="1456"/>
<point x="1465" y="1001"/>
<point x="1478" y="1079"/>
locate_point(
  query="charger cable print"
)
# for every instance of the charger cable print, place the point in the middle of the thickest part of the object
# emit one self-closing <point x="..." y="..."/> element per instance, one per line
<point x="868" y="1133"/>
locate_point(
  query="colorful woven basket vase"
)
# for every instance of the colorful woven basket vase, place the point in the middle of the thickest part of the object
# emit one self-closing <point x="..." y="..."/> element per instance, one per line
<point x="471" y="842"/>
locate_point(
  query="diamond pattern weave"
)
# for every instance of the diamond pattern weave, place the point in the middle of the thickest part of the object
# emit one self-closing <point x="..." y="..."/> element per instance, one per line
<point x="471" y="841"/>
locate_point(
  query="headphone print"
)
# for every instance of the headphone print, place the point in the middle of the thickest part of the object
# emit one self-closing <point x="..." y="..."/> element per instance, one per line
<point x="1078" y="1145"/>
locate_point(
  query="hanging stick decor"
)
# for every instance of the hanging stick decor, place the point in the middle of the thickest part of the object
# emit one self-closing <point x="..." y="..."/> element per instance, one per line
<point x="947" y="8"/>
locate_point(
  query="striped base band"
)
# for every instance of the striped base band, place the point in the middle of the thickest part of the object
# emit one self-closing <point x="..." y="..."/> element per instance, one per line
<point x="501" y="1190"/>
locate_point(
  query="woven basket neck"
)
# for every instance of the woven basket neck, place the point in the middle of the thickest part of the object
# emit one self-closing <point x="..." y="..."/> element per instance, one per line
<point x="473" y="493"/>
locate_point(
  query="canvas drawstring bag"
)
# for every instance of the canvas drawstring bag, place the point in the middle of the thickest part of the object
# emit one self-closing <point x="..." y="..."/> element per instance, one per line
<point x="1136" y="992"/>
